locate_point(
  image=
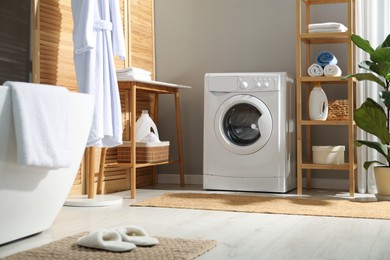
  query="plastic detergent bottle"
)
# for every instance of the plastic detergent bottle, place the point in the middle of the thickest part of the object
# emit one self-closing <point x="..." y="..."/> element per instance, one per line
<point x="318" y="104"/>
<point x="144" y="126"/>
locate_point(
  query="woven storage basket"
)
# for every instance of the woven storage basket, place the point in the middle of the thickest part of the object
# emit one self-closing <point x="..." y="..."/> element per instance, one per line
<point x="145" y="152"/>
<point x="338" y="110"/>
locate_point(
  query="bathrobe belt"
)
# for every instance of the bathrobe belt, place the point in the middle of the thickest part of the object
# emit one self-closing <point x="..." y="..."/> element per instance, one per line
<point x="102" y="25"/>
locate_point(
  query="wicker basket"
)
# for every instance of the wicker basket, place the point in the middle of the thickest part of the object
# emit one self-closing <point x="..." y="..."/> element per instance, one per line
<point x="338" y="110"/>
<point x="145" y="152"/>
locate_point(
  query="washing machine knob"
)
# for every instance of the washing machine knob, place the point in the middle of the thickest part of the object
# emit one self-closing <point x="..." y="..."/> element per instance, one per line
<point x="266" y="84"/>
<point x="244" y="85"/>
<point x="258" y="84"/>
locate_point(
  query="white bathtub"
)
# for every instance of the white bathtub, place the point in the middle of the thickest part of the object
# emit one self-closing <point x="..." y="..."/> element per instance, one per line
<point x="31" y="197"/>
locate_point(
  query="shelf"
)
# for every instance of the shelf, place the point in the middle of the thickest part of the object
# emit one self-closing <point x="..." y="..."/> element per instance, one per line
<point x="314" y="166"/>
<point x="319" y="2"/>
<point x="324" y="79"/>
<point x="139" y="165"/>
<point x="323" y="123"/>
<point x="128" y="89"/>
<point x="304" y="43"/>
<point x="325" y="38"/>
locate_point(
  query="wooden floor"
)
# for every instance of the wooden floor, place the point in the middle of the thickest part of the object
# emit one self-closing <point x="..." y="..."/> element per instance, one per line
<point x="239" y="235"/>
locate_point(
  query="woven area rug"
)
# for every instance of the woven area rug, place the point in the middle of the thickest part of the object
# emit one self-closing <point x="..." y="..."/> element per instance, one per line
<point x="169" y="248"/>
<point x="272" y="205"/>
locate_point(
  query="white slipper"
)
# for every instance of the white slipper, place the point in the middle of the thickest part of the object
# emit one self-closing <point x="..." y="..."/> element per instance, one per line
<point x="105" y="239"/>
<point x="136" y="235"/>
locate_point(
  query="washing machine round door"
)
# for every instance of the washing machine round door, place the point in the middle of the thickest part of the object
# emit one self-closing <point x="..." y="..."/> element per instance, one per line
<point x="243" y="124"/>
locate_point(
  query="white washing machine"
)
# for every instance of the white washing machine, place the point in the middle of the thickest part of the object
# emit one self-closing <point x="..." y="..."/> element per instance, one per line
<point x="249" y="132"/>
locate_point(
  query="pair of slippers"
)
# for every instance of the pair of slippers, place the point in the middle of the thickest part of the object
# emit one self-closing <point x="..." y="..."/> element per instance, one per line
<point x="119" y="239"/>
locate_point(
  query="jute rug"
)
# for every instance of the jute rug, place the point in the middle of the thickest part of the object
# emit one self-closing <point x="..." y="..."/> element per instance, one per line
<point x="272" y="205"/>
<point x="168" y="249"/>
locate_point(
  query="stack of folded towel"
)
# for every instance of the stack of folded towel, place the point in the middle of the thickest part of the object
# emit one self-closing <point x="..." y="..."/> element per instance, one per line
<point x="325" y="65"/>
<point x="132" y="73"/>
<point x="327" y="27"/>
<point x="120" y="239"/>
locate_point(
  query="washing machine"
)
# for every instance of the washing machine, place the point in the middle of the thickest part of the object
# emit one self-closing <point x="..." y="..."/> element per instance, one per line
<point x="249" y="132"/>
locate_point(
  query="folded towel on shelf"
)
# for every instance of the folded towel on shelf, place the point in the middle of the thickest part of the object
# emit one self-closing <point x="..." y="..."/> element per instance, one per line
<point x="332" y="71"/>
<point x="329" y="25"/>
<point x="315" y="70"/>
<point x="326" y="58"/>
<point x="330" y="30"/>
<point x="133" y="73"/>
<point x="41" y="114"/>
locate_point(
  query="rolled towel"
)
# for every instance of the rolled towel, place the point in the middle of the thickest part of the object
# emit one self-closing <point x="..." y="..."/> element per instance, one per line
<point x="332" y="71"/>
<point x="315" y="70"/>
<point x="326" y="58"/>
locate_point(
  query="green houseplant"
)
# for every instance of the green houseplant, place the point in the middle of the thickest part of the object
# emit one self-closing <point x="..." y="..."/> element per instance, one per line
<point x="371" y="116"/>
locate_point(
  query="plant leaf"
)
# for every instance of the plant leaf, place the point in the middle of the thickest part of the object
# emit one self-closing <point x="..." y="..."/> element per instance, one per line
<point x="381" y="54"/>
<point x="372" y="118"/>
<point x="385" y="97"/>
<point x="367" y="164"/>
<point x="386" y="42"/>
<point x="365" y="64"/>
<point x="366" y="76"/>
<point x="381" y="68"/>
<point x="374" y="145"/>
<point x="362" y="43"/>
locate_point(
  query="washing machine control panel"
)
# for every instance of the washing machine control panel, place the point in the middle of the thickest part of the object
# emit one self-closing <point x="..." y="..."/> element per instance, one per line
<point x="264" y="83"/>
<point x="244" y="85"/>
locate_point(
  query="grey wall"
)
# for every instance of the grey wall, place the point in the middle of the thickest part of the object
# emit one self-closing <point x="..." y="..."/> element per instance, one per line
<point x="194" y="37"/>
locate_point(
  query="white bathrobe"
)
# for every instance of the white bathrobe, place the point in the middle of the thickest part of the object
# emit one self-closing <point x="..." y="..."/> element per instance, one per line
<point x="97" y="37"/>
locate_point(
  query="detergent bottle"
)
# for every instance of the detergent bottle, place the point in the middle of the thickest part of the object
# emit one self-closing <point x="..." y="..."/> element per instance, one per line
<point x="144" y="126"/>
<point x="318" y="104"/>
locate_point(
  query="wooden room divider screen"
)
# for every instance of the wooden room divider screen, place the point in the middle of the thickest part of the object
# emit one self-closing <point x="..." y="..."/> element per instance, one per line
<point x="52" y="53"/>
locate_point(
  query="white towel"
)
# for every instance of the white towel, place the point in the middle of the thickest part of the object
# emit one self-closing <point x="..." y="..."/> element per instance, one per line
<point x="41" y="115"/>
<point x="329" y="30"/>
<point x="332" y="71"/>
<point x="329" y="25"/>
<point x="315" y="70"/>
<point x="133" y="74"/>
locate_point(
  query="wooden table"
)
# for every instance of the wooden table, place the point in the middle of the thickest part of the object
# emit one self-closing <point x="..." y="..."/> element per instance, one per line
<point x="130" y="88"/>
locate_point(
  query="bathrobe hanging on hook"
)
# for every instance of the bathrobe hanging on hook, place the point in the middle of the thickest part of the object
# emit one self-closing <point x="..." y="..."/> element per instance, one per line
<point x="97" y="37"/>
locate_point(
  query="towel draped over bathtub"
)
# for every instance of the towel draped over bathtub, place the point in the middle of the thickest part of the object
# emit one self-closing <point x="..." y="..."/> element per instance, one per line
<point x="97" y="37"/>
<point x="41" y="114"/>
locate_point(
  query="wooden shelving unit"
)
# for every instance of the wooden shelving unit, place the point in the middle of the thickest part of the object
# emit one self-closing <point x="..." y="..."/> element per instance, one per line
<point x="305" y="83"/>
<point x="131" y="88"/>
